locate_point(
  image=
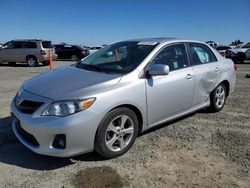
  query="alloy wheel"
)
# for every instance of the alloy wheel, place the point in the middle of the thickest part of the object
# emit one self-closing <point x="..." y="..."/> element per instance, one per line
<point x="31" y="62"/>
<point x="220" y="96"/>
<point x="119" y="133"/>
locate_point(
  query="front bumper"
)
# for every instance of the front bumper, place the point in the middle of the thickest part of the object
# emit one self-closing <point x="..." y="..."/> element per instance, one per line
<point x="79" y="129"/>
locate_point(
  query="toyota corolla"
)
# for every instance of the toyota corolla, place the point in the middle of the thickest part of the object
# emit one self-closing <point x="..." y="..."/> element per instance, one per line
<point x="102" y="102"/>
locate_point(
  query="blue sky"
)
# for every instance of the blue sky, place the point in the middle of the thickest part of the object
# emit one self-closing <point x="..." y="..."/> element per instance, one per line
<point x="100" y="22"/>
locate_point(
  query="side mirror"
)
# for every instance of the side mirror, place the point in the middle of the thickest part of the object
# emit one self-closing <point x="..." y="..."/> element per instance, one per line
<point x="158" y="69"/>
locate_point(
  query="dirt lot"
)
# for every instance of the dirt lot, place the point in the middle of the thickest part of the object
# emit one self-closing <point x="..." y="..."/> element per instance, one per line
<point x="200" y="150"/>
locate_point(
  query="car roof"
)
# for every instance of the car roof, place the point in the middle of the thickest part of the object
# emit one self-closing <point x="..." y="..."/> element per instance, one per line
<point x="162" y="40"/>
<point x="158" y="40"/>
<point x="30" y="40"/>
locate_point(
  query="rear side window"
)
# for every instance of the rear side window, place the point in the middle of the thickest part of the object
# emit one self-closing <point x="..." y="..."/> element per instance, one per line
<point x="47" y="44"/>
<point x="29" y="45"/>
<point x="174" y="56"/>
<point x="17" y="45"/>
<point x="201" y="54"/>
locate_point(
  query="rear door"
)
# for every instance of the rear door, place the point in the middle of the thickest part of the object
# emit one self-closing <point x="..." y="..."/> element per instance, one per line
<point x="170" y="94"/>
<point x="206" y="69"/>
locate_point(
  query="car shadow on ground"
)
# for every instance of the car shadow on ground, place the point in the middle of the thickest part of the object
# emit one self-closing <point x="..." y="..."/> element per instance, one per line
<point x="12" y="152"/>
<point x="18" y="65"/>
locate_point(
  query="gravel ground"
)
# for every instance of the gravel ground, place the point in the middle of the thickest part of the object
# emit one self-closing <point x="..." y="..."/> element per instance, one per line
<point x="199" y="150"/>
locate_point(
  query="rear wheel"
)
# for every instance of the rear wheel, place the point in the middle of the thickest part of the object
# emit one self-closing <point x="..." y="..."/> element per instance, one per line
<point x="117" y="133"/>
<point x="31" y="61"/>
<point x="218" y="98"/>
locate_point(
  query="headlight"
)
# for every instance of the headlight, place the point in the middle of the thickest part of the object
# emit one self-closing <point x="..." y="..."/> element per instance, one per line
<point x="64" y="108"/>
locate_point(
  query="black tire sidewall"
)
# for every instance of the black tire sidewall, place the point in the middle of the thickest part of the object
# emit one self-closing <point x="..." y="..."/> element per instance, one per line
<point x="100" y="145"/>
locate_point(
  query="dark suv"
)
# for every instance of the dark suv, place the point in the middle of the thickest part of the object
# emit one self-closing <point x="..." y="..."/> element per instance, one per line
<point x="30" y="51"/>
<point x="72" y="52"/>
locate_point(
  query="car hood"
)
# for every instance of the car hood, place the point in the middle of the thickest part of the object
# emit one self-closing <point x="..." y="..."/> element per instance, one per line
<point x="70" y="83"/>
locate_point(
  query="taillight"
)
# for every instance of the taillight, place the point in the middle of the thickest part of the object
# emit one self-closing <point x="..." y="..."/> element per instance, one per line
<point x="42" y="52"/>
<point x="235" y="67"/>
<point x="83" y="52"/>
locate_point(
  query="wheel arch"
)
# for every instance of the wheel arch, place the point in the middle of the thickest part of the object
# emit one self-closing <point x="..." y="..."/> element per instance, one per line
<point x="227" y="85"/>
<point x="135" y="110"/>
<point x="27" y="56"/>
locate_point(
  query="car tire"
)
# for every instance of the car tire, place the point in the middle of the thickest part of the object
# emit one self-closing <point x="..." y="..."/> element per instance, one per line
<point x="74" y="58"/>
<point x="31" y="61"/>
<point x="45" y="63"/>
<point x="117" y="133"/>
<point x="218" y="98"/>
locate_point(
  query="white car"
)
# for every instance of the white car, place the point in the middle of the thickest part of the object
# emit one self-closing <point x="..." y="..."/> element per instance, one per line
<point x="94" y="49"/>
<point x="222" y="49"/>
<point x="242" y="48"/>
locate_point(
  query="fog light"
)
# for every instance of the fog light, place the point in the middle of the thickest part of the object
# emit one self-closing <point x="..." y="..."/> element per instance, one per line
<point x="59" y="141"/>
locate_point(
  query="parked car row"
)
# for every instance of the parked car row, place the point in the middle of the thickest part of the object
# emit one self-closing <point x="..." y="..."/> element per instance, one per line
<point x="238" y="53"/>
<point x="35" y="51"/>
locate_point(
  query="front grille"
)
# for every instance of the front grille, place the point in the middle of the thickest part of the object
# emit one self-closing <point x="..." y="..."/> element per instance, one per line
<point x="26" y="136"/>
<point x="28" y="107"/>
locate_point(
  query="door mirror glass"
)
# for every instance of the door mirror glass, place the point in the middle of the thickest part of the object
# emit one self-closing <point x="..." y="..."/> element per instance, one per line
<point x="158" y="69"/>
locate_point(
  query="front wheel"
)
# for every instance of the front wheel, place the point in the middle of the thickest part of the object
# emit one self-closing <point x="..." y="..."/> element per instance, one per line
<point x="116" y="133"/>
<point x="218" y="98"/>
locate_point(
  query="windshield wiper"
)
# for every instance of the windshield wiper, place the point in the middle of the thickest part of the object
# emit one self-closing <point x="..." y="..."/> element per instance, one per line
<point x="92" y="67"/>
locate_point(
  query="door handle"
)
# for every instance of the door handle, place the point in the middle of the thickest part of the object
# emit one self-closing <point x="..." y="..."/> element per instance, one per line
<point x="189" y="76"/>
<point x="217" y="69"/>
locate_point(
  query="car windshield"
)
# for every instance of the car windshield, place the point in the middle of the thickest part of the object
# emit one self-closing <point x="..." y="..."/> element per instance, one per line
<point x="118" y="58"/>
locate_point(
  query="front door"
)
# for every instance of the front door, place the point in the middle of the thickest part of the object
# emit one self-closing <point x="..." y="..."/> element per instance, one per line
<point x="170" y="94"/>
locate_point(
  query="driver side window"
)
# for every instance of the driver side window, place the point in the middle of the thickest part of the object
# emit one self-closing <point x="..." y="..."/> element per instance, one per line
<point x="174" y="56"/>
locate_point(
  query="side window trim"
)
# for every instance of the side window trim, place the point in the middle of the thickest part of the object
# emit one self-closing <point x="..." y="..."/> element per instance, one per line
<point x="162" y="48"/>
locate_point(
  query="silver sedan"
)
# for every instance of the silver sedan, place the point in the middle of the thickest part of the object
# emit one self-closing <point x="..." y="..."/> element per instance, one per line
<point x="102" y="102"/>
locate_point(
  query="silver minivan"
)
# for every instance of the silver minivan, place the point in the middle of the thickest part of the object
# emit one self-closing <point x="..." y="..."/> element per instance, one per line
<point x="102" y="102"/>
<point x="30" y="51"/>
